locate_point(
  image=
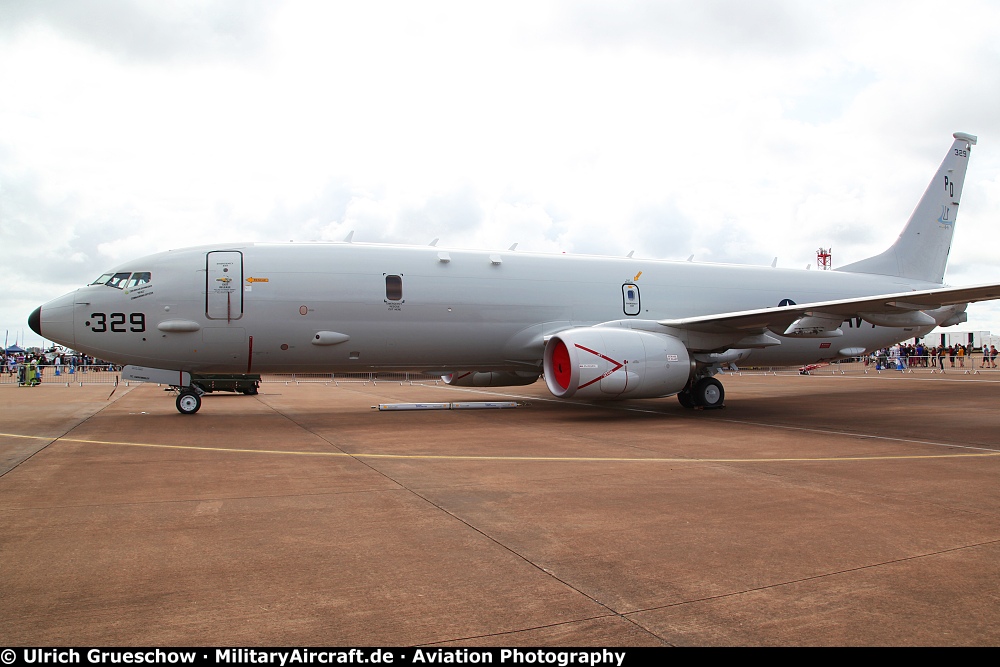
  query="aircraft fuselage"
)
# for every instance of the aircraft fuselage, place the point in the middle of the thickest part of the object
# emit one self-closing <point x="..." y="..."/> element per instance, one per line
<point x="345" y="307"/>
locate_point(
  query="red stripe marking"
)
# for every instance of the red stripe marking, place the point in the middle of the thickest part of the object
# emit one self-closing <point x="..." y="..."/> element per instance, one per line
<point x="617" y="364"/>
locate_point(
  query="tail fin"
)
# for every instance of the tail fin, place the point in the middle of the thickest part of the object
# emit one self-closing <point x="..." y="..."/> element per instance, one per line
<point x="921" y="251"/>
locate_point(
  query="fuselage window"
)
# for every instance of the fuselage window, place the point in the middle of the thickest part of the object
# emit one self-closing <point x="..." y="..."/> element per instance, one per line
<point x="630" y="299"/>
<point x="393" y="288"/>
<point x="138" y="278"/>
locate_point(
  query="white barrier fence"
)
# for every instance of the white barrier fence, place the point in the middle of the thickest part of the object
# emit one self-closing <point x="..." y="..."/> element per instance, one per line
<point x="64" y="376"/>
<point x="969" y="365"/>
<point x="345" y="378"/>
<point x="80" y="376"/>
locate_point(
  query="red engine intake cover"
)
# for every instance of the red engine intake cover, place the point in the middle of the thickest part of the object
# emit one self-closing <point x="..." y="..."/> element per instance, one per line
<point x="561" y="371"/>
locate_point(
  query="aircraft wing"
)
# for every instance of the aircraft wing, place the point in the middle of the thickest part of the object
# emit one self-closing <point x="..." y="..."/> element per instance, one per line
<point x="887" y="305"/>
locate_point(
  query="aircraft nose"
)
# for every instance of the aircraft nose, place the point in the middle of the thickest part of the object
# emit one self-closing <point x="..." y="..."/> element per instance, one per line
<point x="35" y="320"/>
<point x="54" y="320"/>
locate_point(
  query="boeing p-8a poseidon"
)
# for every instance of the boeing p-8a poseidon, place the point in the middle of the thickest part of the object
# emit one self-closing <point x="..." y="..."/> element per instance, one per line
<point x="594" y="327"/>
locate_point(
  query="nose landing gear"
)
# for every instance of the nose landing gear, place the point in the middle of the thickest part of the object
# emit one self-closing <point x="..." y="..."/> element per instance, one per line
<point x="188" y="402"/>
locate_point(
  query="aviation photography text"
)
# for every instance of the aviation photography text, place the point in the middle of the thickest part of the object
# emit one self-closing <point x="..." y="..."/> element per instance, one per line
<point x="314" y="656"/>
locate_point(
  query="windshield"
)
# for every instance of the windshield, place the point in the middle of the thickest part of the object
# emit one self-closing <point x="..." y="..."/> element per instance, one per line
<point x="123" y="280"/>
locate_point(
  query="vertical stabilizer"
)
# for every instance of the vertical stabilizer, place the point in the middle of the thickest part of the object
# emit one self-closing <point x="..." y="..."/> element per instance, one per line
<point x="921" y="251"/>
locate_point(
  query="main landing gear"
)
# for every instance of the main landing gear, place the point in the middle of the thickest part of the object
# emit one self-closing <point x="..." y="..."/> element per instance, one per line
<point x="706" y="393"/>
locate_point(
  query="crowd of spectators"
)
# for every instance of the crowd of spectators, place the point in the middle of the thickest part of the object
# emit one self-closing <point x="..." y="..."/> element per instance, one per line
<point x="71" y="363"/>
<point x="918" y="355"/>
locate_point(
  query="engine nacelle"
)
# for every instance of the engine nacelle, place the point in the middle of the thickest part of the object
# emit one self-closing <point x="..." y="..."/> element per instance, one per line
<point x="610" y="363"/>
<point x="490" y="378"/>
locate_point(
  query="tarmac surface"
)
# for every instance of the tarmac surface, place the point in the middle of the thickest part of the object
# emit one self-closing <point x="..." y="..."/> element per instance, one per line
<point x="819" y="510"/>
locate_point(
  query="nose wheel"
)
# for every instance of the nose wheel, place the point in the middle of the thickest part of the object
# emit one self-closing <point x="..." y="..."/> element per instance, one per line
<point x="188" y="402"/>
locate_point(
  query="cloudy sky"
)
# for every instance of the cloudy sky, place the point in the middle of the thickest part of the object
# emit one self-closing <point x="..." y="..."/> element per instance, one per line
<point x="732" y="131"/>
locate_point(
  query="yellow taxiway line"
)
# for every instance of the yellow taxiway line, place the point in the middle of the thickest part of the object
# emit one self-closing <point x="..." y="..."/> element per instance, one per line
<point x="560" y="459"/>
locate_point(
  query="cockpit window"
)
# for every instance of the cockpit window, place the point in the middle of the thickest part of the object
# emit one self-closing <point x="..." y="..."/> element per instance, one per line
<point x="138" y="278"/>
<point x="121" y="280"/>
<point x="118" y="280"/>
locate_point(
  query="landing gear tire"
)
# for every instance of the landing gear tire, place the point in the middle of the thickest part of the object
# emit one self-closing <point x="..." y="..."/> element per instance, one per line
<point x="188" y="402"/>
<point x="686" y="399"/>
<point x="709" y="394"/>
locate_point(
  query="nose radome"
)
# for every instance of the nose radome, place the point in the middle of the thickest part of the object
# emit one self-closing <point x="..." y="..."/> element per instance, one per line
<point x="54" y="320"/>
<point x="35" y="320"/>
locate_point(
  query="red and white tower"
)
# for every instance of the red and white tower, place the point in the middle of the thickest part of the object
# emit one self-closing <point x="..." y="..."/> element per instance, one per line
<point x="823" y="258"/>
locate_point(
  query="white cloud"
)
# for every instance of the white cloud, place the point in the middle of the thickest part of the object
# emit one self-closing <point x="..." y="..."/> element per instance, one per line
<point x="182" y="29"/>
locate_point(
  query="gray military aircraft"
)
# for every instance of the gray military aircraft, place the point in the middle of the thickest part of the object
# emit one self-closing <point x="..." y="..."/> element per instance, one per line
<point x="594" y="327"/>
